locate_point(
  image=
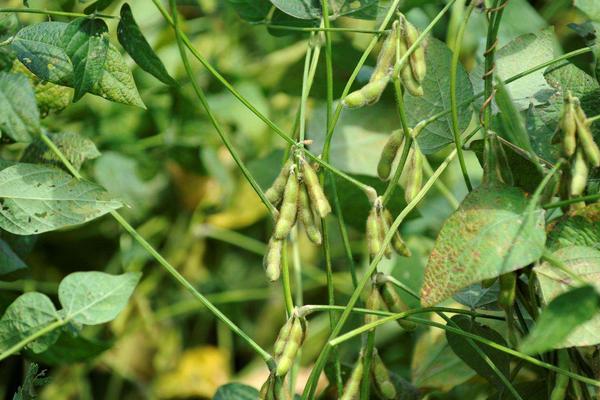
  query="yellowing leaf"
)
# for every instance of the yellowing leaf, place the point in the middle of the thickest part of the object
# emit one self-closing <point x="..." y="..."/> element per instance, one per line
<point x="245" y="210"/>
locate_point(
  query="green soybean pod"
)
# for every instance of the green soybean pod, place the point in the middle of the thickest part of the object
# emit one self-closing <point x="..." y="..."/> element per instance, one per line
<point x="318" y="200"/>
<point x="293" y="343"/>
<point x="383" y="229"/>
<point x="395" y="304"/>
<point x="579" y="174"/>
<point x="275" y="193"/>
<point x="308" y="219"/>
<point x="387" y="55"/>
<point x="267" y="390"/>
<point x="410" y="84"/>
<point x="374" y="302"/>
<point x="272" y="259"/>
<point x="389" y="153"/>
<point x="381" y="378"/>
<point x="352" y="386"/>
<point x="568" y="125"/>
<point x="590" y="148"/>
<point x="373" y="90"/>
<point x="373" y="240"/>
<point x="355" y="99"/>
<point x="508" y="284"/>
<point x="289" y="207"/>
<point x="414" y="175"/>
<point x="418" y="63"/>
<point x="282" y="337"/>
<point x="398" y="243"/>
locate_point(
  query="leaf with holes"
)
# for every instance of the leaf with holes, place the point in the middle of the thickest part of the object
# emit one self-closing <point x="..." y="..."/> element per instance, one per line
<point x="38" y="198"/>
<point x="494" y="231"/>
<point x="19" y="115"/>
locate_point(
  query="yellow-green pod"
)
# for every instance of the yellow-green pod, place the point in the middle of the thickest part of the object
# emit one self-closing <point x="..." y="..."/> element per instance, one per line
<point x="289" y="207"/>
<point x="272" y="259"/>
<point x="395" y="304"/>
<point x="398" y="243"/>
<point x="579" y="174"/>
<point x="293" y="343"/>
<point x="389" y="153"/>
<point x="275" y="193"/>
<point x="308" y="220"/>
<point x="383" y="229"/>
<point x="352" y="386"/>
<point x="355" y="99"/>
<point x="413" y="179"/>
<point x="282" y="337"/>
<point x="410" y="84"/>
<point x="568" y="125"/>
<point x="374" y="90"/>
<point x="381" y="378"/>
<point x="373" y="240"/>
<point x="374" y="302"/>
<point x="387" y="55"/>
<point x="508" y="284"/>
<point x="590" y="148"/>
<point x="318" y="200"/>
<point x="418" y="65"/>
<point x="267" y="390"/>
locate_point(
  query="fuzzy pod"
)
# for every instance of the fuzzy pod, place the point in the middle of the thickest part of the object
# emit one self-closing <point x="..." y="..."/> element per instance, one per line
<point x="289" y="207"/>
<point x="389" y="153"/>
<point x="579" y="174"/>
<point x="508" y="284"/>
<point x="372" y="231"/>
<point x="292" y="345"/>
<point x="395" y="304"/>
<point x="307" y="217"/>
<point x="418" y="64"/>
<point x="272" y="259"/>
<point x="410" y="84"/>
<point x="368" y="94"/>
<point x="352" y="386"/>
<point x="398" y="243"/>
<point x="318" y="200"/>
<point x="413" y="179"/>
<point x="382" y="381"/>
<point x="568" y="125"/>
<point x="383" y="229"/>
<point x="387" y="55"/>
<point x="355" y="99"/>
<point x="282" y="337"/>
<point x="275" y="192"/>
<point x="586" y="139"/>
<point x="267" y="390"/>
<point x="374" y="302"/>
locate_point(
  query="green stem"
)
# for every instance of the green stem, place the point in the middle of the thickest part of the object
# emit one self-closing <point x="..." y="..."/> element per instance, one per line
<point x="25" y="341"/>
<point x="311" y="308"/>
<point x="324" y="29"/>
<point x="453" y="98"/>
<point x="591" y="197"/>
<point x="55" y="13"/>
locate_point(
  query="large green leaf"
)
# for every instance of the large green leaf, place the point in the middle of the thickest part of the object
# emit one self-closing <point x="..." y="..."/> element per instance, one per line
<point x="38" y="198"/>
<point x="560" y="318"/>
<point x="582" y="261"/>
<point x="494" y="231"/>
<point x="75" y="147"/>
<point x="236" y="391"/>
<point x="436" y="86"/>
<point x="135" y="44"/>
<point x="9" y="260"/>
<point x="19" y="115"/>
<point x="86" y="43"/>
<point x="469" y="354"/>
<point x="92" y="298"/>
<point x="578" y="228"/>
<point x="251" y="10"/>
<point x="27" y="315"/>
<point x="39" y="48"/>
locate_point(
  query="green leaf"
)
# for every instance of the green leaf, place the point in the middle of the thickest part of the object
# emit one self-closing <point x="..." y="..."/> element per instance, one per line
<point x="435" y="100"/>
<point x="19" y="115"/>
<point x="85" y="42"/>
<point x="476" y="296"/>
<point x="135" y="44"/>
<point x="493" y="232"/>
<point x="76" y="149"/>
<point x="590" y="7"/>
<point x="72" y="348"/>
<point x="97" y="6"/>
<point x="560" y="318"/>
<point x="9" y="260"/>
<point x="39" y="48"/>
<point x="28" y="314"/>
<point x="465" y="350"/>
<point x="93" y="298"/>
<point x="37" y="198"/>
<point x="251" y="10"/>
<point x="236" y="391"/>
<point x="303" y="9"/>
<point x="578" y="228"/>
<point x="311" y="9"/>
<point x="582" y="261"/>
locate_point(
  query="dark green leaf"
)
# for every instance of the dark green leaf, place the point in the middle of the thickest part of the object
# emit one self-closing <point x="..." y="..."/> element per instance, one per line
<point x="133" y="41"/>
<point x="560" y="318"/>
<point x="251" y="10"/>
<point x="279" y="19"/>
<point x="303" y="9"/>
<point x="477" y="296"/>
<point x="70" y="348"/>
<point x="236" y="391"/>
<point x="9" y="260"/>
<point x="19" y="115"/>
<point x="465" y="350"/>
<point x="311" y="9"/>
<point x="493" y="232"/>
<point x="98" y="5"/>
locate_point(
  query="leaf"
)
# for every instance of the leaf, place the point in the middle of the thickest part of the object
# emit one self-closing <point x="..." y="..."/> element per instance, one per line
<point x="303" y="9"/>
<point x="582" y="261"/>
<point x="560" y="318"/>
<point x="465" y="350"/>
<point x="93" y="297"/>
<point x="578" y="228"/>
<point x="476" y="296"/>
<point x="493" y="232"/>
<point x="71" y="348"/>
<point x="436" y="86"/>
<point x="76" y="149"/>
<point x="135" y="44"/>
<point x="98" y="5"/>
<point x="39" y="48"/>
<point x="85" y="42"/>
<point x="251" y="10"/>
<point x="590" y="7"/>
<point x="27" y="315"/>
<point x="37" y="198"/>
<point x="19" y="115"/>
<point x="236" y="391"/>
<point x="9" y="260"/>
<point x="311" y="9"/>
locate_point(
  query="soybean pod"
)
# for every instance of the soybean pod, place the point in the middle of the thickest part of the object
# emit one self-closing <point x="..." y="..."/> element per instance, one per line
<point x="275" y="193"/>
<point x="352" y="386"/>
<point x="282" y="337"/>
<point x="579" y="174"/>
<point x="272" y="259"/>
<point x="412" y="176"/>
<point x="291" y="347"/>
<point x="374" y="302"/>
<point x="373" y="241"/>
<point x="318" y="200"/>
<point x="383" y="229"/>
<point x="417" y="60"/>
<point x="389" y="154"/>
<point x="289" y="207"/>
<point x="408" y="80"/>
<point x="395" y="304"/>
<point x="267" y="390"/>
<point x="381" y="378"/>
<point x="508" y="284"/>
<point x="568" y="125"/>
<point x="387" y="55"/>
<point x="308" y="220"/>
<point x="398" y="243"/>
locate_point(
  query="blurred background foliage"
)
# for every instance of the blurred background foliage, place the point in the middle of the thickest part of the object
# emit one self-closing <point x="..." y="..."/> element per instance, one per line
<point x="188" y="198"/>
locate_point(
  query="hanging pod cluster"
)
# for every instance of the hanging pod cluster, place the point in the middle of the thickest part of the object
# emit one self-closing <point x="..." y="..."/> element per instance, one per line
<point x="380" y="375"/>
<point x="299" y="195"/>
<point x="290" y="339"/>
<point x="578" y="147"/>
<point x="379" y="222"/>
<point x="401" y="37"/>
<point x="352" y="386"/>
